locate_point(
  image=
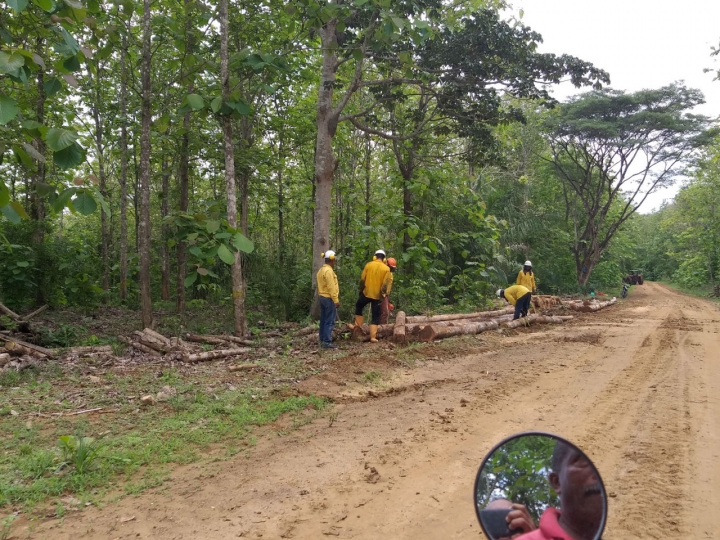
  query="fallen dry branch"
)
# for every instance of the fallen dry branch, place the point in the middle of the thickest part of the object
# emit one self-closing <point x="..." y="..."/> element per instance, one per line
<point x="211" y="340"/>
<point x="242" y="367"/>
<point x="139" y="346"/>
<point x="86" y="411"/>
<point x="9" y="312"/>
<point x="233" y="339"/>
<point x="90" y="349"/>
<point x="432" y="319"/>
<point x="15" y="348"/>
<point x="214" y="355"/>
<point x="433" y="332"/>
<point x="35" y="313"/>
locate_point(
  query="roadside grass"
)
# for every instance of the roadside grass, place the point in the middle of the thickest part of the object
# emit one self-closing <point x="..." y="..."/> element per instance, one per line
<point x="45" y="457"/>
<point x="699" y="292"/>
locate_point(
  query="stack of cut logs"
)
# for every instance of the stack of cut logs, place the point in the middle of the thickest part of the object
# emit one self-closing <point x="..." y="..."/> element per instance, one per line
<point x="545" y="301"/>
<point x="150" y="342"/>
<point x="429" y="328"/>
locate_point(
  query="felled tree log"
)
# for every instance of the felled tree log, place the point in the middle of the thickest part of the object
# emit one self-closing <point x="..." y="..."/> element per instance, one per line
<point x="399" y="334"/>
<point x="9" y="312"/>
<point x="362" y="333"/>
<point x="139" y="346"/>
<point x="545" y="301"/>
<point x="151" y="342"/>
<point x="432" y="319"/>
<point x="198" y="338"/>
<point x="304" y="331"/>
<point x="17" y="349"/>
<point x="157" y="337"/>
<point x="538" y="319"/>
<point x="5" y="358"/>
<point x="42" y="350"/>
<point x="432" y="332"/>
<point x="214" y="355"/>
<point x="35" y="313"/>
<point x="589" y="307"/>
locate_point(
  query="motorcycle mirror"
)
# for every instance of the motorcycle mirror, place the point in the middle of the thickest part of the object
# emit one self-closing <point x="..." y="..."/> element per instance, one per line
<point x="536" y="480"/>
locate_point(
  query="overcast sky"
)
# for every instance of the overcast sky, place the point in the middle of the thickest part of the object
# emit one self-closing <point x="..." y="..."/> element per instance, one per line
<point x="641" y="43"/>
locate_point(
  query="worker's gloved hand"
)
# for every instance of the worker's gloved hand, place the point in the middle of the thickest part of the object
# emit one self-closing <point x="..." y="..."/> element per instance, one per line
<point x="337" y="304"/>
<point x="391" y="307"/>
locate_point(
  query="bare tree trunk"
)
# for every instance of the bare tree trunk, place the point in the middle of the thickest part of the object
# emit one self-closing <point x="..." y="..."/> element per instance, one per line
<point x="136" y="199"/>
<point x="368" y="157"/>
<point x="144" y="227"/>
<point x="281" y="200"/>
<point x="237" y="278"/>
<point x="324" y="155"/>
<point x="164" y="209"/>
<point x="123" y="171"/>
<point x="38" y="204"/>
<point x="184" y="170"/>
<point x="103" y="180"/>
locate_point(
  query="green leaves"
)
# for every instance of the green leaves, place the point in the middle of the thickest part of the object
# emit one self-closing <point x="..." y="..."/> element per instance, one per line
<point x="14" y="212"/>
<point x="216" y="104"/>
<point x="52" y="86"/>
<point x="8" y="109"/>
<point x="243" y="243"/>
<point x="70" y="157"/>
<point x="63" y="199"/>
<point x="195" y="101"/>
<point x="59" y="138"/>
<point x="45" y="5"/>
<point x="11" y="63"/>
<point x="17" y="5"/>
<point x="192" y="278"/>
<point x="84" y="203"/>
<point x="225" y="254"/>
<point x="4" y="194"/>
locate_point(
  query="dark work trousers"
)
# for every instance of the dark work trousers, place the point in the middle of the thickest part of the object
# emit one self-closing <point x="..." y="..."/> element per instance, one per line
<point x="374" y="308"/>
<point x="522" y="306"/>
<point x="328" y="313"/>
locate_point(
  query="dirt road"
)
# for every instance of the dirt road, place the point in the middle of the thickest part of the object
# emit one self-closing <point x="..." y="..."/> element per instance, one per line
<point x="635" y="385"/>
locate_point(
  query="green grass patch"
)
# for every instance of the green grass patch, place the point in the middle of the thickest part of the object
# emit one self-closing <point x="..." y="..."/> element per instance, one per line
<point x="130" y="450"/>
<point x="699" y="292"/>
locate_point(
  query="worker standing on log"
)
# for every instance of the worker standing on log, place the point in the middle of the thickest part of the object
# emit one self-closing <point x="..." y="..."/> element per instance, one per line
<point x="526" y="277"/>
<point x="329" y="292"/>
<point x="519" y="296"/>
<point x="372" y="282"/>
<point x="385" y="306"/>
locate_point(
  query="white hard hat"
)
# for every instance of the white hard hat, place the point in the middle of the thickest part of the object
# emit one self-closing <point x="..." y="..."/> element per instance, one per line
<point x="499" y="293"/>
<point x="329" y="255"/>
<point x="528" y="263"/>
<point x="380" y="252"/>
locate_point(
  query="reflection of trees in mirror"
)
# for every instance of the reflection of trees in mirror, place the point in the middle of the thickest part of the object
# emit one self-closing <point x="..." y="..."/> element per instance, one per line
<point x="518" y="471"/>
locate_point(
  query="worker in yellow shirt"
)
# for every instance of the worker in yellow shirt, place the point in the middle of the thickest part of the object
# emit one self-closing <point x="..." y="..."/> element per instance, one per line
<point x="385" y="306"/>
<point x="519" y="296"/>
<point x="526" y="277"/>
<point x="372" y="281"/>
<point x="329" y="292"/>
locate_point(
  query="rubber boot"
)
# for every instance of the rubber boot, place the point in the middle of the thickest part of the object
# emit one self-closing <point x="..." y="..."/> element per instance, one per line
<point x="358" y="322"/>
<point x="373" y="333"/>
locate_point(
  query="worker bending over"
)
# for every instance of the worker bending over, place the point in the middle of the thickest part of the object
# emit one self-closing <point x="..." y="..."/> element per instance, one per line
<point x="526" y="277"/>
<point x="519" y="296"/>
<point x="385" y="306"/>
<point x="329" y="292"/>
<point x="372" y="284"/>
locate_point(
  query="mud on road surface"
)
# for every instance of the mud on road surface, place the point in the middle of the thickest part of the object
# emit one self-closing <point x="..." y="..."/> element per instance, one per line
<point x="636" y="386"/>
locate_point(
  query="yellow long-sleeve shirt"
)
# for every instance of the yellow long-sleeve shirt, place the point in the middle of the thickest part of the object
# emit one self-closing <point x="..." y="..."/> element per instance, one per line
<point x="328" y="284"/>
<point x="373" y="278"/>
<point x="526" y="280"/>
<point x="387" y="285"/>
<point x="515" y="293"/>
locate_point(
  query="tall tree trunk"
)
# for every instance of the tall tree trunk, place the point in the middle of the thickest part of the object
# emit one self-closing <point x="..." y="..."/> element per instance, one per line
<point x="164" y="209"/>
<point x="281" y="200"/>
<point x="368" y="162"/>
<point x="38" y="204"/>
<point x="327" y="121"/>
<point x="144" y="228"/>
<point x="184" y="169"/>
<point x="103" y="180"/>
<point x="238" y="295"/>
<point x="136" y="199"/>
<point x="123" y="171"/>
